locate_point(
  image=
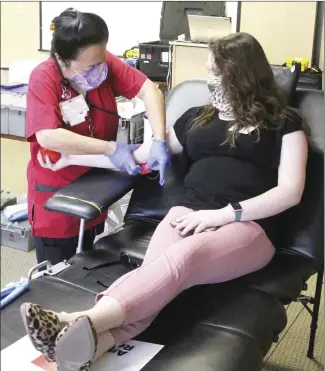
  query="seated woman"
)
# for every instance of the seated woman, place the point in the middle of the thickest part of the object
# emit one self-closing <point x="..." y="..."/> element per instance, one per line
<point x="248" y="151"/>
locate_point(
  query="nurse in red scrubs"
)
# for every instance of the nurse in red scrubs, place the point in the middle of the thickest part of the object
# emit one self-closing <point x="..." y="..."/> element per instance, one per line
<point x="71" y="109"/>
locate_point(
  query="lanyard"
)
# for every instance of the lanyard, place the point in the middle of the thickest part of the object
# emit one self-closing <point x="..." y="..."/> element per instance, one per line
<point x="67" y="95"/>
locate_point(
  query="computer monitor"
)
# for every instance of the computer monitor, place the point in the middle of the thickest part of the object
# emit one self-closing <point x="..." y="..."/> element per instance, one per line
<point x="174" y="15"/>
<point x="205" y="28"/>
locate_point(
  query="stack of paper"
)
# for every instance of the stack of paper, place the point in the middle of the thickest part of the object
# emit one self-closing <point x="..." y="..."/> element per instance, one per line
<point x="132" y="356"/>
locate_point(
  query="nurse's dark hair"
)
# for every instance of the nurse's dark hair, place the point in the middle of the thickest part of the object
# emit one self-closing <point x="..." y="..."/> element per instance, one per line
<point x="248" y="80"/>
<point x="74" y="30"/>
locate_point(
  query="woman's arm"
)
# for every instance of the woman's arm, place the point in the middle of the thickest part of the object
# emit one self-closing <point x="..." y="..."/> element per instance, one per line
<point x="65" y="141"/>
<point x="140" y="155"/>
<point x="291" y="182"/>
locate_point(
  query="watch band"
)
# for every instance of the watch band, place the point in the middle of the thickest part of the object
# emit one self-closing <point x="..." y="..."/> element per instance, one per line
<point x="236" y="206"/>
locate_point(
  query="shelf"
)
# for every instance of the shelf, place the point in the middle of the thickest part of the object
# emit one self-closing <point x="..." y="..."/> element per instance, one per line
<point x="13" y="137"/>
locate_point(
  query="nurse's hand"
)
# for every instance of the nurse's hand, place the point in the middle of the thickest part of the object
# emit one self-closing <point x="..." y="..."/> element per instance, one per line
<point x="159" y="158"/>
<point x="123" y="160"/>
<point x="47" y="164"/>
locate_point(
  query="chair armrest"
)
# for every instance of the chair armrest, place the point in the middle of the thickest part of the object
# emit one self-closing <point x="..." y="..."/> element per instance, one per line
<point x="91" y="194"/>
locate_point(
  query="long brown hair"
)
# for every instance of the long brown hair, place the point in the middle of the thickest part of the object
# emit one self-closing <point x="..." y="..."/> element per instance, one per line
<point x="249" y="82"/>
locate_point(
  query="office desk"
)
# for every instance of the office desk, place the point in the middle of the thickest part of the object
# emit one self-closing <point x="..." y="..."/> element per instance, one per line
<point x="189" y="61"/>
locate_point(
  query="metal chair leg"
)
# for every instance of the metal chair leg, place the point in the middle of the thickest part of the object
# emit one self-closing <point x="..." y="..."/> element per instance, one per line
<point x="313" y="326"/>
<point x="81" y="235"/>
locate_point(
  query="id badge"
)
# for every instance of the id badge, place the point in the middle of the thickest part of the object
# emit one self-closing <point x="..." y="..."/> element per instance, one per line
<point x="74" y="110"/>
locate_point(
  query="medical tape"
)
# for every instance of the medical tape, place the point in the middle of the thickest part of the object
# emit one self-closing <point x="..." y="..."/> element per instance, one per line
<point x="79" y="199"/>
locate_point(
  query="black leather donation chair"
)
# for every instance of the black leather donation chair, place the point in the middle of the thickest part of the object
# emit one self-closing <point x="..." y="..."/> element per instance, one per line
<point x="224" y="327"/>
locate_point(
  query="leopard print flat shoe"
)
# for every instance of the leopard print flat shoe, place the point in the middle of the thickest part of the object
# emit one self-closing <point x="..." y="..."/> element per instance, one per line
<point x="76" y="346"/>
<point x="42" y="327"/>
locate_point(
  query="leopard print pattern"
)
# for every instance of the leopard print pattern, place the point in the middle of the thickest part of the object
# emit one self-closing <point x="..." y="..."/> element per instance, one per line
<point x="43" y="327"/>
<point x="86" y="366"/>
<point x="218" y="97"/>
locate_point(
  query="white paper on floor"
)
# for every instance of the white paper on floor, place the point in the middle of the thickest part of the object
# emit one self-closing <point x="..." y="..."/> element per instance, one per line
<point x="132" y="356"/>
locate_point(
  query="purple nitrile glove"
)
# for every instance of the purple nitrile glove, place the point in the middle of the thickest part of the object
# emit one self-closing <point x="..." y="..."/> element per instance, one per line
<point x="123" y="160"/>
<point x="159" y="158"/>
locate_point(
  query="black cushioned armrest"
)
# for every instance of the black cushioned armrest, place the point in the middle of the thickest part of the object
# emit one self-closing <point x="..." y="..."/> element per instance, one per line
<point x="91" y="194"/>
<point x="287" y="79"/>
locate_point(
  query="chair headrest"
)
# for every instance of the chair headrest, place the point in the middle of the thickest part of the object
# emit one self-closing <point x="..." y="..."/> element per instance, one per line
<point x="195" y="93"/>
<point x="187" y="94"/>
<point x="312" y="107"/>
<point x="287" y="79"/>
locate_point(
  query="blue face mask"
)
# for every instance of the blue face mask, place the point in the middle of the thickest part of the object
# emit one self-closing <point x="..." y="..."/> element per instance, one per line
<point x="92" y="78"/>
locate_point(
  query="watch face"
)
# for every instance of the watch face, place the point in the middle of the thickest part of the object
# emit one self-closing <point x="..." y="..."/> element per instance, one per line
<point x="236" y="206"/>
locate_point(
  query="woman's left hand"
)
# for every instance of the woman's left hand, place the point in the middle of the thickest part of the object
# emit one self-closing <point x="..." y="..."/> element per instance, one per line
<point x="203" y="219"/>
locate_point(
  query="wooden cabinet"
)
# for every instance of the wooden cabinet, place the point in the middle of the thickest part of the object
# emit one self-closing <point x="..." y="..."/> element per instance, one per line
<point x="189" y="61"/>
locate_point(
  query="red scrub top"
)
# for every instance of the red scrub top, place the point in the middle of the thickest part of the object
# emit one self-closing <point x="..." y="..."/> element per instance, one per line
<point x="43" y="98"/>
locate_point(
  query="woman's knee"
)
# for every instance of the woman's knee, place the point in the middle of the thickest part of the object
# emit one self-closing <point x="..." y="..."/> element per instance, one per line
<point x="177" y="211"/>
<point x="228" y="240"/>
<point x="172" y="214"/>
<point x="250" y="243"/>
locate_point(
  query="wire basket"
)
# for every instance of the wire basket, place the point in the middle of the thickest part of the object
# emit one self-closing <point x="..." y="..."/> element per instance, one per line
<point x="131" y="130"/>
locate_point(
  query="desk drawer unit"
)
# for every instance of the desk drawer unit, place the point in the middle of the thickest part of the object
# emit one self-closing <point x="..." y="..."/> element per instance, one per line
<point x="17" y="121"/>
<point x="4" y="120"/>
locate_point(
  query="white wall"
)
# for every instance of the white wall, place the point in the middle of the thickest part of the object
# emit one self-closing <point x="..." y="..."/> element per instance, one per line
<point x="128" y="22"/>
<point x="231" y="11"/>
<point x="285" y="29"/>
<point x="321" y="59"/>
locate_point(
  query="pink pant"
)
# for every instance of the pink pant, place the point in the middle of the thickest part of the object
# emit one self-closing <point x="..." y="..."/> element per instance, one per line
<point x="174" y="263"/>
